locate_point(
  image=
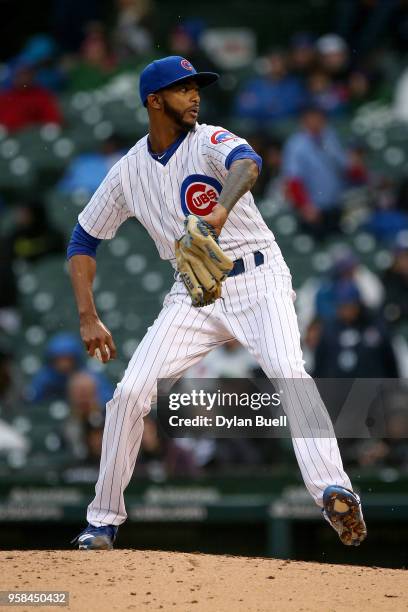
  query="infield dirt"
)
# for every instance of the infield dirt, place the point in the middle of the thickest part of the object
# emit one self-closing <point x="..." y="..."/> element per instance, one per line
<point x="149" y="581"/>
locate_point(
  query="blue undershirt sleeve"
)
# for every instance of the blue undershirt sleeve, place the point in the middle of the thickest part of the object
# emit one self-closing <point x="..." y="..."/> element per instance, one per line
<point x="243" y="151"/>
<point x="82" y="243"/>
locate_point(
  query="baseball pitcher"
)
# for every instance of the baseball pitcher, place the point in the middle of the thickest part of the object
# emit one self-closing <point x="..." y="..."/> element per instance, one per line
<point x="189" y="185"/>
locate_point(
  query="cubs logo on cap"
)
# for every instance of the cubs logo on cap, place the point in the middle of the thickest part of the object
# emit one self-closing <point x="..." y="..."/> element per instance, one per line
<point x="186" y="64"/>
<point x="199" y="194"/>
<point x="222" y="136"/>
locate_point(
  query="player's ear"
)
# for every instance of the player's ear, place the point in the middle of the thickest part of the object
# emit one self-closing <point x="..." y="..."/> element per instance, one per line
<point x="154" y="100"/>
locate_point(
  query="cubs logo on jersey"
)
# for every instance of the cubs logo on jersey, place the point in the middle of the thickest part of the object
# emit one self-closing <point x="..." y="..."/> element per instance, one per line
<point x="199" y="194"/>
<point x="222" y="136"/>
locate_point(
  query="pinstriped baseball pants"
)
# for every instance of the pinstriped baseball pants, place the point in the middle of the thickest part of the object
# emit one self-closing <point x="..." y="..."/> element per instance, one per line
<point x="257" y="309"/>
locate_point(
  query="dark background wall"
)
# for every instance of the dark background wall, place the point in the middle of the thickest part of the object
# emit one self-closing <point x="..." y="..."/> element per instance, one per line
<point x="273" y="21"/>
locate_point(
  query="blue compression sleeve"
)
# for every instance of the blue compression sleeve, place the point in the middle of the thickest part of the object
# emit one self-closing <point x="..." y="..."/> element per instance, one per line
<point x="82" y="243"/>
<point x="243" y="152"/>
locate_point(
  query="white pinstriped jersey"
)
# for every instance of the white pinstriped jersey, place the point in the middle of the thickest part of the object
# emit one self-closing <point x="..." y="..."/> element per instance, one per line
<point x="257" y="309"/>
<point x="160" y="196"/>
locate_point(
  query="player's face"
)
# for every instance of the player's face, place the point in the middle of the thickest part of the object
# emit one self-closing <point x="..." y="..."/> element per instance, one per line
<point x="181" y="103"/>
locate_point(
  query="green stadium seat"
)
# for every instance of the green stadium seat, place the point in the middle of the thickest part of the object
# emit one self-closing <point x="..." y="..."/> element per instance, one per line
<point x="9" y="148"/>
<point x="47" y="148"/>
<point x="35" y="335"/>
<point x="302" y="243"/>
<point x="58" y="410"/>
<point x="17" y="175"/>
<point x="16" y="460"/>
<point x="364" y="242"/>
<point x="30" y="362"/>
<point x="321" y="261"/>
<point x="63" y="209"/>
<point x="47" y="301"/>
<point x="46" y="438"/>
<point x="285" y="224"/>
<point x="22" y="423"/>
<point x="382" y="260"/>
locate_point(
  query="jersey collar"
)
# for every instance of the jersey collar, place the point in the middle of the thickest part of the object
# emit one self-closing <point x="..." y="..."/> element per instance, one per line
<point x="164" y="157"/>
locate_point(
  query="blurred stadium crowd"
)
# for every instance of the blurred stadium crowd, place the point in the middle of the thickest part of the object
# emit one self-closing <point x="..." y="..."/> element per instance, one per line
<point x="328" y="113"/>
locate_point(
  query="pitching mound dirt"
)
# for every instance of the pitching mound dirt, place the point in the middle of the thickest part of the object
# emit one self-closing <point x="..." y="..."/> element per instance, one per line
<point x="148" y="581"/>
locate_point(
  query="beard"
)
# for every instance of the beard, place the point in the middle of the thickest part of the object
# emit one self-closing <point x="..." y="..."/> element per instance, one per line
<point x="178" y="117"/>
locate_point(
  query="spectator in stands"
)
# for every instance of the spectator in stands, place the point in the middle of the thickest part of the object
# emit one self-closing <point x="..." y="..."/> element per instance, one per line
<point x="160" y="456"/>
<point x="33" y="236"/>
<point x="331" y="97"/>
<point x="395" y="279"/>
<point x="355" y="344"/>
<point x="185" y="40"/>
<point x="388" y="426"/>
<point x="316" y="168"/>
<point x="231" y="361"/>
<point x="133" y="31"/>
<point x="317" y="297"/>
<point x="359" y="89"/>
<point x="358" y="174"/>
<point x="87" y="170"/>
<point x="390" y="215"/>
<point x="24" y="103"/>
<point x="386" y="224"/>
<point x="97" y="63"/>
<point x="64" y="358"/>
<point x="380" y="453"/>
<point x="333" y="57"/>
<point x="83" y="427"/>
<point x="93" y="443"/>
<point x="303" y="56"/>
<point x="314" y="165"/>
<point x="40" y="52"/>
<point x="346" y="267"/>
<point x="272" y="96"/>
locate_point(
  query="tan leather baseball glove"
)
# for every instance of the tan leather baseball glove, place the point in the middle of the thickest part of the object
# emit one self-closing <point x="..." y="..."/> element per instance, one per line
<point x="201" y="262"/>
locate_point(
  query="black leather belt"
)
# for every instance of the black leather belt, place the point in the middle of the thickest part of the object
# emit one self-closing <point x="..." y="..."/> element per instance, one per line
<point x="239" y="266"/>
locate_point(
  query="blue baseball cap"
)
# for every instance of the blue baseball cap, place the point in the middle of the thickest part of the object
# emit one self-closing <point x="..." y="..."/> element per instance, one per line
<point x="347" y="293"/>
<point x="169" y="70"/>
